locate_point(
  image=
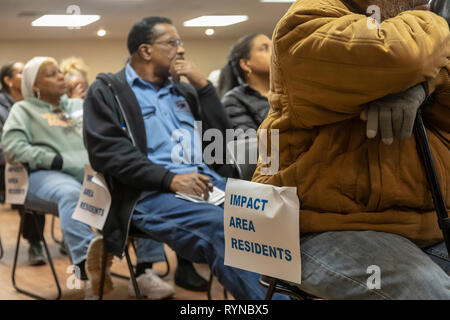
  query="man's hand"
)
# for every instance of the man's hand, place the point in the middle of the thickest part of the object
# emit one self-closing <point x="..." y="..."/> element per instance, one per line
<point x="394" y="114"/>
<point x="190" y="71"/>
<point x="192" y="183"/>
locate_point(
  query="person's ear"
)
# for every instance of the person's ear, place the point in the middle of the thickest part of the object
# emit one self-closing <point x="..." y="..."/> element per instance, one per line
<point x="7" y="80"/>
<point x="145" y="51"/>
<point x="245" y="66"/>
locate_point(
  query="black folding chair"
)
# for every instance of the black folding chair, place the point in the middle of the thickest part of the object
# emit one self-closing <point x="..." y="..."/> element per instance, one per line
<point x="36" y="207"/>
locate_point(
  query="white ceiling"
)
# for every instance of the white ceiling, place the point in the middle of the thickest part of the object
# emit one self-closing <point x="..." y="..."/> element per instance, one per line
<point x="117" y="17"/>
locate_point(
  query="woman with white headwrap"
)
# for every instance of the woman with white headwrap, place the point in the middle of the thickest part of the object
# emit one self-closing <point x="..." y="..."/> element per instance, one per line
<point x="41" y="132"/>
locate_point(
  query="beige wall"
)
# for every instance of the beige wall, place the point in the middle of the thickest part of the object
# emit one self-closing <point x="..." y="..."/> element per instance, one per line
<point x="110" y="55"/>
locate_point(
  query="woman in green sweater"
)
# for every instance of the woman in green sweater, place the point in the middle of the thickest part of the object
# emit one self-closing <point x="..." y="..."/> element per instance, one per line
<point x="43" y="131"/>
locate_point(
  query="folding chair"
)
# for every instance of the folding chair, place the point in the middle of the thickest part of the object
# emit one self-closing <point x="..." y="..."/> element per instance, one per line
<point x="245" y="169"/>
<point x="36" y="207"/>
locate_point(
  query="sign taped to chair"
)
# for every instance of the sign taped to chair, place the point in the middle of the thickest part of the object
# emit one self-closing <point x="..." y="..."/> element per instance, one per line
<point x="16" y="183"/>
<point x="262" y="234"/>
<point x="95" y="200"/>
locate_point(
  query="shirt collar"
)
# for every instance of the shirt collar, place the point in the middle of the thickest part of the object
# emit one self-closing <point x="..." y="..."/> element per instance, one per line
<point x="134" y="79"/>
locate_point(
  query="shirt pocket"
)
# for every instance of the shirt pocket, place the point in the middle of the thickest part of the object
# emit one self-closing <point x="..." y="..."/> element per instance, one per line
<point x="154" y="129"/>
<point x="183" y="113"/>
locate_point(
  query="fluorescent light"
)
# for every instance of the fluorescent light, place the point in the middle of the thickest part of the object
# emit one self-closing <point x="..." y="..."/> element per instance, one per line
<point x="65" y="20"/>
<point x="215" y="21"/>
<point x="277" y="1"/>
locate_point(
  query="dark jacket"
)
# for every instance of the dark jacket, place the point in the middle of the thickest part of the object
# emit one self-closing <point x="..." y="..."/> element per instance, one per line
<point x="245" y="107"/>
<point x="116" y="141"/>
<point x="6" y="103"/>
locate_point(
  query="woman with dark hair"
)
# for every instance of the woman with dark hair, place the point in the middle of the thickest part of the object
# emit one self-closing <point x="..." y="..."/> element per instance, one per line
<point x="10" y="79"/>
<point x="244" y="81"/>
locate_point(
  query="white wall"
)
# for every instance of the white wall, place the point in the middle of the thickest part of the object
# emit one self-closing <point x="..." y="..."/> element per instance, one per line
<point x="102" y="55"/>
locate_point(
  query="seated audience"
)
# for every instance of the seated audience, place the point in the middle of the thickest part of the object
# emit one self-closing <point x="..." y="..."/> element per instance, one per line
<point x="244" y="81"/>
<point x="363" y="193"/>
<point x="42" y="133"/>
<point x="129" y="118"/>
<point x="11" y="79"/>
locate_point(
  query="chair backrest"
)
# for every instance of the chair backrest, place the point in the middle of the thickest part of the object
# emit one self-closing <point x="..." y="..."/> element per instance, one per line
<point x="30" y="201"/>
<point x="244" y="155"/>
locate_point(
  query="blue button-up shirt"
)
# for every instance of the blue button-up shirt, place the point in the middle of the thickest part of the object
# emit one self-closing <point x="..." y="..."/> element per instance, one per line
<point x="173" y="140"/>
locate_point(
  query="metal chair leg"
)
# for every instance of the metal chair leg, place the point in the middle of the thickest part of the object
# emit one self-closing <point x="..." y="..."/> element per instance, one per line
<point x="168" y="267"/>
<point x="271" y="289"/>
<point x="60" y="242"/>
<point x="49" y="258"/>
<point x="1" y="249"/>
<point x="103" y="274"/>
<point x="208" y="292"/>
<point x="132" y="275"/>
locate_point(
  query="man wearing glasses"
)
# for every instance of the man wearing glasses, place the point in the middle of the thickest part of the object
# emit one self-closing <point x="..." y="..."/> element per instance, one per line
<point x="129" y="124"/>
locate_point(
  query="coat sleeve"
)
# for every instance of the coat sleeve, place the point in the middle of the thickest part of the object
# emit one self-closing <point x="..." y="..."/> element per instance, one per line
<point x="17" y="146"/>
<point x="110" y="149"/>
<point x="332" y="62"/>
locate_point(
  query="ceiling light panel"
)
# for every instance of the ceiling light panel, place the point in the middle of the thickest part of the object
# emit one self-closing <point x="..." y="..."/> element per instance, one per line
<point x="65" y="20"/>
<point x="215" y="21"/>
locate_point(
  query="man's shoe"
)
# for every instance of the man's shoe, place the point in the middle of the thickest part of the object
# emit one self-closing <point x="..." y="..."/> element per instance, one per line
<point x="94" y="267"/>
<point x="151" y="286"/>
<point x="35" y="255"/>
<point x="187" y="277"/>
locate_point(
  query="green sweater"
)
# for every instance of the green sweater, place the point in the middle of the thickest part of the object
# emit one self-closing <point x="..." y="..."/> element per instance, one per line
<point x="34" y="135"/>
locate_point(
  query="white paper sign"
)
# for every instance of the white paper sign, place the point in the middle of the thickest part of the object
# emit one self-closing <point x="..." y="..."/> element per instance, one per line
<point x="16" y="183"/>
<point x="95" y="200"/>
<point x="262" y="231"/>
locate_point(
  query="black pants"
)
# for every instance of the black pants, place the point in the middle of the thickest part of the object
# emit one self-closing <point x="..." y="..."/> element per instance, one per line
<point x="31" y="232"/>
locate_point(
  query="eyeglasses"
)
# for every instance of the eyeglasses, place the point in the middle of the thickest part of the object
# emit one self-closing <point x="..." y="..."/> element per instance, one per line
<point x="173" y="43"/>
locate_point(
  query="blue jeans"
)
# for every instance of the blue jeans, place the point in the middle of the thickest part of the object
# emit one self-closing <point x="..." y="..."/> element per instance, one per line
<point x="195" y="232"/>
<point x="149" y="251"/>
<point x="335" y="265"/>
<point x="65" y="190"/>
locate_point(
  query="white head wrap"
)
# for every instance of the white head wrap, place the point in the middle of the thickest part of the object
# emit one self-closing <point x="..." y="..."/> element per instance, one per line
<point x="29" y="75"/>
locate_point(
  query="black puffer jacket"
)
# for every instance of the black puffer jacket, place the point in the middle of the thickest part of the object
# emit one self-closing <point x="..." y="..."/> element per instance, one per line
<point x="246" y="107"/>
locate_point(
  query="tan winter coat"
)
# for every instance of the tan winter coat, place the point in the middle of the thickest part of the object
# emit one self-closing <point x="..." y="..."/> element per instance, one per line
<point x="327" y="64"/>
